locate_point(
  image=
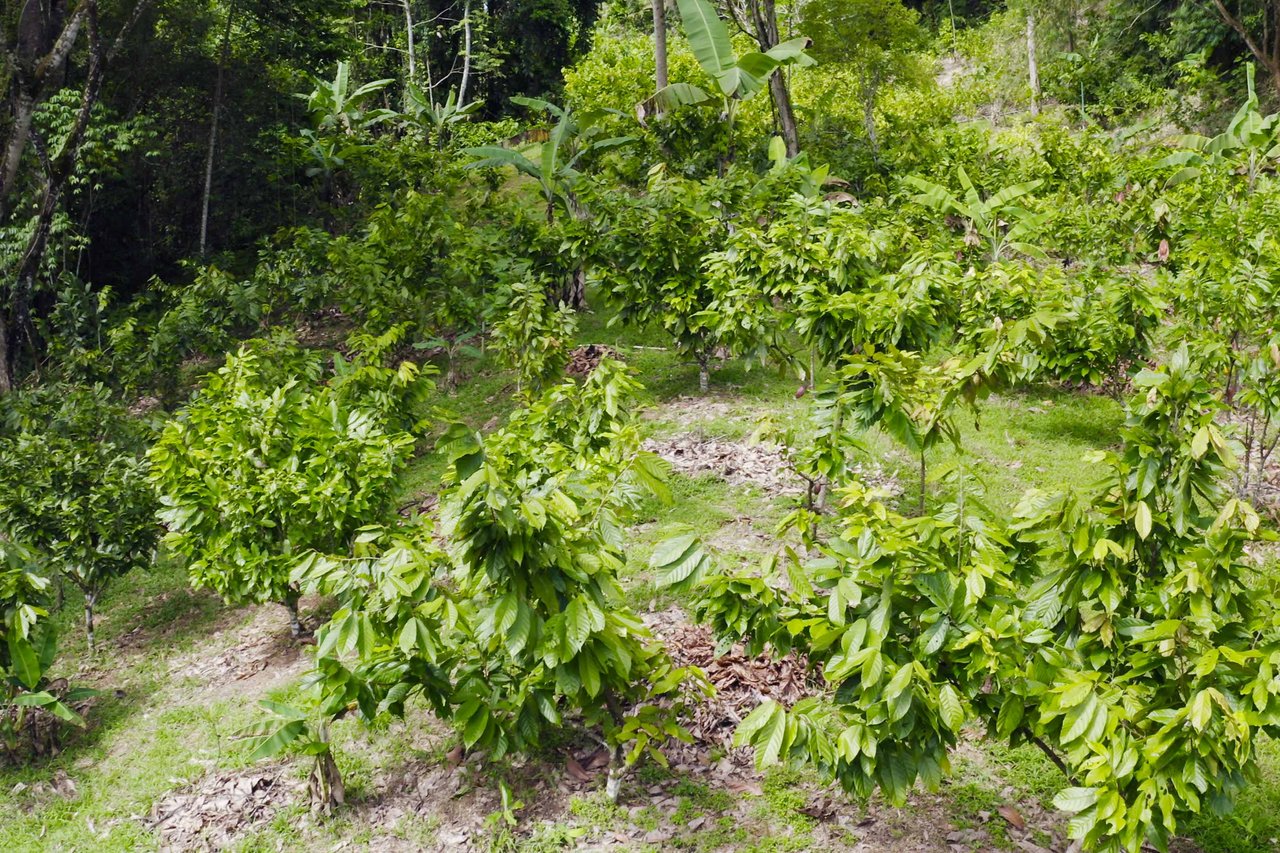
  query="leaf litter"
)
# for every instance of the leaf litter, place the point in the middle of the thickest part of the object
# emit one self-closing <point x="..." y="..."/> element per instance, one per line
<point x="735" y="462"/>
<point x="211" y="813"/>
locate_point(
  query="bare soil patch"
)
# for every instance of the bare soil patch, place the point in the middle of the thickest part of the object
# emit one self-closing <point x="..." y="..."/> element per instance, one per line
<point x="741" y="536"/>
<point x="159" y="621"/>
<point x="741" y="681"/>
<point x="702" y="409"/>
<point x="245" y="659"/>
<point x="454" y="803"/>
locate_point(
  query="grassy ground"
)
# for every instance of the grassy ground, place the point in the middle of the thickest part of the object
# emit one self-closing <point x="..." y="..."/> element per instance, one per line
<point x="180" y="683"/>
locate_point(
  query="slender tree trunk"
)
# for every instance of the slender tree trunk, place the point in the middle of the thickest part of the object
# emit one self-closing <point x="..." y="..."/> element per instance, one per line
<point x="58" y="172"/>
<point x="24" y="109"/>
<point x="218" y="88"/>
<point x="30" y="75"/>
<point x="325" y="786"/>
<point x="6" y="370"/>
<point x="660" y="79"/>
<point x="869" y="90"/>
<point x="1033" y="71"/>
<point x="574" y="291"/>
<point x="786" y="115"/>
<point x="466" y="54"/>
<point x="408" y="27"/>
<point x="924" y="482"/>
<point x="765" y="15"/>
<point x="90" y="599"/>
<point x="431" y="84"/>
<point x="617" y="766"/>
<point x="291" y="604"/>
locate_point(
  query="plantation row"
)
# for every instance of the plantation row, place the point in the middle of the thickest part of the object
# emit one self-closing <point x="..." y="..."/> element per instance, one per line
<point x="1129" y="630"/>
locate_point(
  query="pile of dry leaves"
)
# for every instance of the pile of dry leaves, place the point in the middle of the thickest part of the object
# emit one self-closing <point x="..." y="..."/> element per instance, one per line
<point x="760" y="465"/>
<point x="211" y="813"/>
<point x="585" y="359"/>
<point x="741" y="682"/>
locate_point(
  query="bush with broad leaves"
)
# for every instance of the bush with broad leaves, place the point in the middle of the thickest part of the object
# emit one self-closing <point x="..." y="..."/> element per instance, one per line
<point x="267" y="463"/>
<point x="511" y="623"/>
<point x="1124" y="630"/>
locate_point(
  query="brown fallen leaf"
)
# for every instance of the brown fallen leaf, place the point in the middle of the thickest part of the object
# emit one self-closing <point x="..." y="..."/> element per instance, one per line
<point x="820" y="808"/>
<point x="576" y="770"/>
<point x="454" y="756"/>
<point x="744" y="786"/>
<point x="597" y="760"/>
<point x="1013" y="816"/>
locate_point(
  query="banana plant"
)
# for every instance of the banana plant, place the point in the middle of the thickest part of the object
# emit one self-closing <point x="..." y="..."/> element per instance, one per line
<point x="338" y="115"/>
<point x="334" y="105"/>
<point x="285" y="727"/>
<point x="995" y="220"/>
<point x="737" y="77"/>
<point x="1250" y="143"/>
<point x="556" y="170"/>
<point x="434" y="121"/>
<point x="28" y="644"/>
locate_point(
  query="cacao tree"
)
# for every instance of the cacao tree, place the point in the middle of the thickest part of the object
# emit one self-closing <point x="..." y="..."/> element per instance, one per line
<point x="74" y="487"/>
<point x="1119" y="629"/>
<point x="266" y="464"/>
<point x="512" y="623"/>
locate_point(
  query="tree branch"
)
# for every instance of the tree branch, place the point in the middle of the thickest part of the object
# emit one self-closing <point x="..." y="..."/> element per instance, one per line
<point x="1053" y="756"/>
<point x="1235" y="23"/>
<point x="132" y="21"/>
<point x="62" y="46"/>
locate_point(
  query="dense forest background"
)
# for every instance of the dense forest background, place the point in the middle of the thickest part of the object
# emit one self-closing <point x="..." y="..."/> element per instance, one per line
<point x="145" y="139"/>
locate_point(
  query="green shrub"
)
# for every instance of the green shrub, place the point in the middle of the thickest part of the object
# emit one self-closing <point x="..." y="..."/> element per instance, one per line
<point x="74" y="487"/>
<point x="266" y="463"/>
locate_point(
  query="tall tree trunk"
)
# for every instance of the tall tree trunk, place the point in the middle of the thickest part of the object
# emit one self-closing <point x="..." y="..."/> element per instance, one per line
<point x="408" y="27"/>
<point x="59" y="171"/>
<point x="291" y="604"/>
<point x="765" y="15"/>
<point x="6" y="372"/>
<point x="90" y="599"/>
<point x="218" y="88"/>
<point x="466" y="54"/>
<point x="31" y="73"/>
<point x="660" y="79"/>
<point x="869" y="118"/>
<point x="426" y="67"/>
<point x="786" y="115"/>
<point x="24" y="110"/>
<point x="1033" y="71"/>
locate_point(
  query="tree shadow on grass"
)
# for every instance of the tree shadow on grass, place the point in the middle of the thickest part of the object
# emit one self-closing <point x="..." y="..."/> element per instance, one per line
<point x="144" y="619"/>
<point x="1073" y="418"/>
